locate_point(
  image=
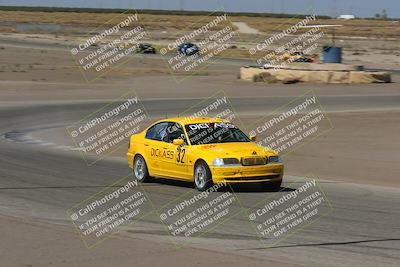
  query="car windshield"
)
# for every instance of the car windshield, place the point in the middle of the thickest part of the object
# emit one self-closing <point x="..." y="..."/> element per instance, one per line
<point x="215" y="132"/>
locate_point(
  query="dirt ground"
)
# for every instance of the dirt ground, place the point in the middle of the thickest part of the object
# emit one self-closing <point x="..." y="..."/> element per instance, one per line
<point x="371" y="43"/>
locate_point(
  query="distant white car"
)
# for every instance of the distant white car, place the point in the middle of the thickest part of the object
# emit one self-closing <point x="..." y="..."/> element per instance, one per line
<point x="346" y="17"/>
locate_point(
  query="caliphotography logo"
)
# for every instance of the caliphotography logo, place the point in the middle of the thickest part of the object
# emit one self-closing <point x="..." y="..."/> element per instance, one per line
<point x="110" y="45"/>
<point x="106" y="129"/>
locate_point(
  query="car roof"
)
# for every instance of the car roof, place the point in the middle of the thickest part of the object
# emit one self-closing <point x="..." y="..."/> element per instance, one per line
<point x="191" y="120"/>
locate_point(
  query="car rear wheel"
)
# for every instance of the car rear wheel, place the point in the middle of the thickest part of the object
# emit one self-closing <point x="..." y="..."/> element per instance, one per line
<point x="202" y="176"/>
<point x="140" y="169"/>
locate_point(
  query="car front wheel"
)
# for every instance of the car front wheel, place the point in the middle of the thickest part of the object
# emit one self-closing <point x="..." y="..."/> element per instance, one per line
<point x="202" y="176"/>
<point x="140" y="169"/>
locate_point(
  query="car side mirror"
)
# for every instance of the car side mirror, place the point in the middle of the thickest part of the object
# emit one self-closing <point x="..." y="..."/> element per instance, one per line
<point x="178" y="142"/>
<point x="252" y="138"/>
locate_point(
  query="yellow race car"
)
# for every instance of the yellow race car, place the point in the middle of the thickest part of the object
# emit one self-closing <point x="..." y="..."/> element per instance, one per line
<point x="206" y="151"/>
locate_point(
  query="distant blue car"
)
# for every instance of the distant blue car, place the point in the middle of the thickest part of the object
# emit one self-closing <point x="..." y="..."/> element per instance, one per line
<point x="188" y="49"/>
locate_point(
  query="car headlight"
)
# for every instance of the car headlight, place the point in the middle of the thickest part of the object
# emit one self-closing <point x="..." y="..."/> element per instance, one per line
<point x="275" y="159"/>
<point x="218" y="162"/>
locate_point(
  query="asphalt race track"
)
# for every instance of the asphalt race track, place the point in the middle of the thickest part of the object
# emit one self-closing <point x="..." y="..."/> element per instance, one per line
<point x="42" y="182"/>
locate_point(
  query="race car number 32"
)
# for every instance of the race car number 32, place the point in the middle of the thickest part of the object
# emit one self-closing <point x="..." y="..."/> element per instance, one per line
<point x="180" y="155"/>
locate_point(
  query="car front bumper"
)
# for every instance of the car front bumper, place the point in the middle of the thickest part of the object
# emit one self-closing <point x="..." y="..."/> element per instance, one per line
<point x="247" y="174"/>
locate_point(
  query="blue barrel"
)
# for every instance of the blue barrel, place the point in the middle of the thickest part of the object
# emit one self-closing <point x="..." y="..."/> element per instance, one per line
<point x="332" y="54"/>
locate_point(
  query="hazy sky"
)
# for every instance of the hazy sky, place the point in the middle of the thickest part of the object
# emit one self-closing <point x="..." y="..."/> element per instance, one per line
<point x="360" y="8"/>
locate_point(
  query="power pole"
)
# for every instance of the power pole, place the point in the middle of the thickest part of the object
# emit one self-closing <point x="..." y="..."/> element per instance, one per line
<point x="335" y="9"/>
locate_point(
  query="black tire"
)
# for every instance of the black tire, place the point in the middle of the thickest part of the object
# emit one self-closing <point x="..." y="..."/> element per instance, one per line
<point x="204" y="179"/>
<point x="140" y="171"/>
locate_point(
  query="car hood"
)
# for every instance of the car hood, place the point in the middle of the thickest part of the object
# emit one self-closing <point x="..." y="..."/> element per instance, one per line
<point x="234" y="150"/>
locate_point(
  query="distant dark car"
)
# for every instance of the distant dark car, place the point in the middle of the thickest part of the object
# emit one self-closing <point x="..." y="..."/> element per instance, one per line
<point x="188" y="49"/>
<point x="145" y="49"/>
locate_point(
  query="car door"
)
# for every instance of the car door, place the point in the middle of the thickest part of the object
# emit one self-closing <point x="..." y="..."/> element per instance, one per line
<point x="154" y="144"/>
<point x="176" y="166"/>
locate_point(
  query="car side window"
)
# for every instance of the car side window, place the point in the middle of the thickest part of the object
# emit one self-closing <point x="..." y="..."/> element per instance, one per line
<point x="175" y="131"/>
<point x="158" y="132"/>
